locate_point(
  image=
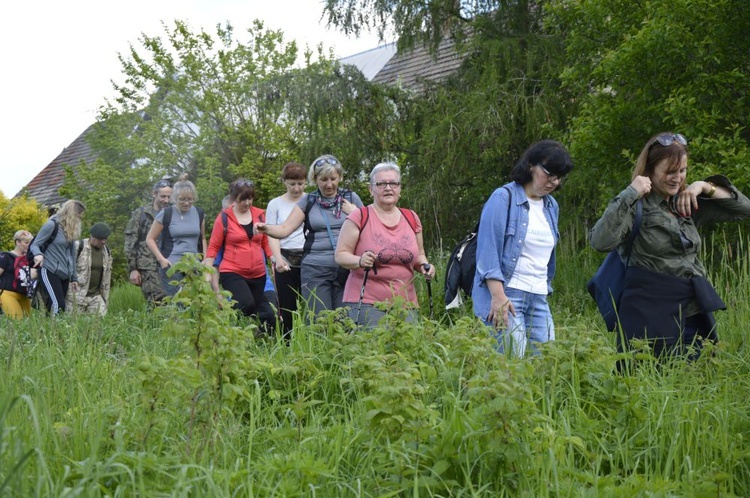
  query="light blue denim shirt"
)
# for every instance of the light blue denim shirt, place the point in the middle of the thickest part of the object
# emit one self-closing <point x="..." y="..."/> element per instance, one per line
<point x="502" y="231"/>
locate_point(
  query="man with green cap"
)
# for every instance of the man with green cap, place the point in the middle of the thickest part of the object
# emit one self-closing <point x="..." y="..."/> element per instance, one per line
<point x="94" y="268"/>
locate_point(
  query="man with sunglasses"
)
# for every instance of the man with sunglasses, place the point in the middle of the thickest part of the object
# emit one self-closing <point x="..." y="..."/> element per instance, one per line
<point x="143" y="268"/>
<point x="667" y="299"/>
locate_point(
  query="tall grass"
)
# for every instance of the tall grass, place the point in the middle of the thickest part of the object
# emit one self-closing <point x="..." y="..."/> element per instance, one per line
<point x="134" y="404"/>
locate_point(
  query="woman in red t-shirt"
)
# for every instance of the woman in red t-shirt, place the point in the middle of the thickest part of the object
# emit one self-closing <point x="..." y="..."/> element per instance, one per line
<point x="242" y="270"/>
<point x="386" y="239"/>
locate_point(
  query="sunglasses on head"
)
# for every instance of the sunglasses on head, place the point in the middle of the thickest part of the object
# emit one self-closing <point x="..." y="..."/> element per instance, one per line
<point x="162" y="184"/>
<point x="325" y="160"/>
<point x="668" y="139"/>
<point x="244" y="183"/>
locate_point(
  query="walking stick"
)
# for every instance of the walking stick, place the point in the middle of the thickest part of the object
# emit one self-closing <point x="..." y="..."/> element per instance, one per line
<point x="362" y="294"/>
<point x="426" y="267"/>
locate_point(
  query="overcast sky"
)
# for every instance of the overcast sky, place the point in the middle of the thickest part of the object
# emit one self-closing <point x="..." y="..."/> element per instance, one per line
<point x="59" y="58"/>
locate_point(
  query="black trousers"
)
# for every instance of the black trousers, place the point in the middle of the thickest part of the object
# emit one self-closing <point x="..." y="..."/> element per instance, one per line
<point x="55" y="290"/>
<point x="288" y="288"/>
<point x="249" y="297"/>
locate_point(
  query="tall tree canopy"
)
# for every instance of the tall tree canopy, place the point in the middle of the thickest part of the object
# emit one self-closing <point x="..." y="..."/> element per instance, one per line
<point x="639" y="68"/>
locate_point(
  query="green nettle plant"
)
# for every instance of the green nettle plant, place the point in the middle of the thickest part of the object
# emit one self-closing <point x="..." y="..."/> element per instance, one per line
<point x="210" y="375"/>
<point x="188" y="399"/>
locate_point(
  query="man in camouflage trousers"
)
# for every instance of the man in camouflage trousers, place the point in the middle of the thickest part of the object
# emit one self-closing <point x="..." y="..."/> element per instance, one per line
<point x="142" y="264"/>
<point x="94" y="269"/>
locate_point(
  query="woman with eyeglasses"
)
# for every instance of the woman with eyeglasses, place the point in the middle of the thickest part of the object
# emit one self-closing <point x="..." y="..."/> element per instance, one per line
<point x="382" y="246"/>
<point x="516" y="250"/>
<point x="242" y="270"/>
<point x="53" y="250"/>
<point x="667" y="299"/>
<point x="322" y="213"/>
<point x="182" y="230"/>
<point x="287" y="252"/>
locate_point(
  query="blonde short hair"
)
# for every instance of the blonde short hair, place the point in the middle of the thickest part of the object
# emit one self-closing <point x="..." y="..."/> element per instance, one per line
<point x="22" y="235"/>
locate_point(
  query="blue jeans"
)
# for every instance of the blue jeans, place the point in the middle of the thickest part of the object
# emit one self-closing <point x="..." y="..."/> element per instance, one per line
<point x="532" y="323"/>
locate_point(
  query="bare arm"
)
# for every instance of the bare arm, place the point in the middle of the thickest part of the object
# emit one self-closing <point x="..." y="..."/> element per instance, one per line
<point x="421" y="260"/>
<point x="344" y="256"/>
<point x="153" y="234"/>
<point x="293" y="221"/>
<point x="280" y="263"/>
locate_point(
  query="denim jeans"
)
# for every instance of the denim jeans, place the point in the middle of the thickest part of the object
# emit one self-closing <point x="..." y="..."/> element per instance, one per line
<point x="532" y="323"/>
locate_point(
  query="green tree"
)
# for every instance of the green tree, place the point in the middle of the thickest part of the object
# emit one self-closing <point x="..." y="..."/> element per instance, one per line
<point x="645" y="67"/>
<point x="20" y="213"/>
<point x="462" y="136"/>
<point x="218" y="109"/>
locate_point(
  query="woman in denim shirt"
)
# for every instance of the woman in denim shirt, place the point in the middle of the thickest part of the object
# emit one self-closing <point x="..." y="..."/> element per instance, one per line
<point x="516" y="250"/>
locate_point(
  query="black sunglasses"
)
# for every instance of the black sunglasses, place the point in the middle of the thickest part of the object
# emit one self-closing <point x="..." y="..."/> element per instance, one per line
<point x="244" y="183"/>
<point x="162" y="184"/>
<point x="668" y="139"/>
<point x="326" y="160"/>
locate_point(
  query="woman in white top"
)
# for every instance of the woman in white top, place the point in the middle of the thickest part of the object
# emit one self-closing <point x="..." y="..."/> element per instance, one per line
<point x="287" y="252"/>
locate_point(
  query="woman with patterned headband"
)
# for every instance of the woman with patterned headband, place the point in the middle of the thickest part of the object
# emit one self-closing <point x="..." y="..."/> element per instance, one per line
<point x="323" y="213"/>
<point x="667" y="299"/>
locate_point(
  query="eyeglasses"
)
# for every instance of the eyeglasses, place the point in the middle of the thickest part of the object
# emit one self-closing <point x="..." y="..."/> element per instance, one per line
<point x="383" y="185"/>
<point x="550" y="177"/>
<point x="668" y="139"/>
<point x="186" y="200"/>
<point x="326" y="160"/>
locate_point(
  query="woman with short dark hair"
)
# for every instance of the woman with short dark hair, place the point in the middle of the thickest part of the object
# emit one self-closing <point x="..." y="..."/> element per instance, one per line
<point x="242" y="270"/>
<point x="516" y="250"/>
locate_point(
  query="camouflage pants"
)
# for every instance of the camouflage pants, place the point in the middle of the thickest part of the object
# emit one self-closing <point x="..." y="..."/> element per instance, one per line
<point x="151" y="286"/>
<point x="87" y="304"/>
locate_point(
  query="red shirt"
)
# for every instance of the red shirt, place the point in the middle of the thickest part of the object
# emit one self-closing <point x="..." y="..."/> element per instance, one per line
<point x="243" y="255"/>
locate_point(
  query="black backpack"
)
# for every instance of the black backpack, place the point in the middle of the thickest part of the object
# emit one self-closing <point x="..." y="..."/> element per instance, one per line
<point x="462" y="264"/>
<point x="459" y="275"/>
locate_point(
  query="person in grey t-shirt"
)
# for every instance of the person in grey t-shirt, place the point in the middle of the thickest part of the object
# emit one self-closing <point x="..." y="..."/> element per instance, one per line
<point x="185" y="233"/>
<point x="322" y="212"/>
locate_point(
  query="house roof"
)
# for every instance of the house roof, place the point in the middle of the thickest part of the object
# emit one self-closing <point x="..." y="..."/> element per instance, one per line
<point x="370" y="62"/>
<point x="409" y="70"/>
<point x="413" y="68"/>
<point x="45" y="186"/>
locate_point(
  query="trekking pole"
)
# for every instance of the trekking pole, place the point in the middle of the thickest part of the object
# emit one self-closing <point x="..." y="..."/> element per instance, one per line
<point x="362" y="295"/>
<point x="426" y="267"/>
